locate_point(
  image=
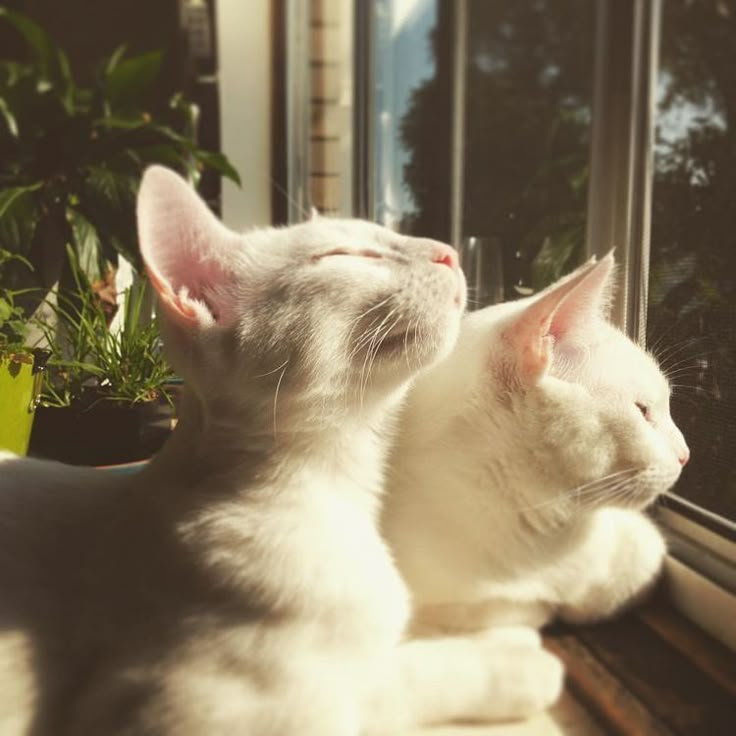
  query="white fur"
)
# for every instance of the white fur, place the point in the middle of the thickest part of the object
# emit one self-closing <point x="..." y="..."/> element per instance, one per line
<point x="496" y="510"/>
<point x="239" y="583"/>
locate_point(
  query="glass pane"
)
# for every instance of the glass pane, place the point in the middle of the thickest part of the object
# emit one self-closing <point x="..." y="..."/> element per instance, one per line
<point x="527" y="134"/>
<point x="405" y="66"/>
<point x="525" y="129"/>
<point x="692" y="289"/>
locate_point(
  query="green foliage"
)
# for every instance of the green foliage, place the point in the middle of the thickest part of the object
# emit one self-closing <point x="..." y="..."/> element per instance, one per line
<point x="13" y="326"/>
<point x="71" y="157"/>
<point x="90" y="363"/>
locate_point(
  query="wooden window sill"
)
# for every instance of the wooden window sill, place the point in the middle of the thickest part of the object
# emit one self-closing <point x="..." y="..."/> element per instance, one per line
<point x="648" y="672"/>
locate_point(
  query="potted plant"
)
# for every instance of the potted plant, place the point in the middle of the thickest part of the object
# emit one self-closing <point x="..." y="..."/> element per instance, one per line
<point x="19" y="369"/>
<point x="104" y="389"/>
<point x="71" y="157"/>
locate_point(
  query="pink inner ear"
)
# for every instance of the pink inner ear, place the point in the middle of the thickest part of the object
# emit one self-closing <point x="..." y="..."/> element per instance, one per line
<point x="586" y="301"/>
<point x="188" y="254"/>
<point x="565" y="306"/>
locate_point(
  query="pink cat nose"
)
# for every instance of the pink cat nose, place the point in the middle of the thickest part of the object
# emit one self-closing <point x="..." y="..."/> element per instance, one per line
<point x="684" y="458"/>
<point x="446" y="255"/>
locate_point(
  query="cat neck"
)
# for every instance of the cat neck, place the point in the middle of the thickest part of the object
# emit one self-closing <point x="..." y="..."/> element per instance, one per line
<point x="246" y="449"/>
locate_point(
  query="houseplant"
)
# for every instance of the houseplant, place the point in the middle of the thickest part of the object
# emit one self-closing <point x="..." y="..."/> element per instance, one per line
<point x="19" y="368"/>
<point x="103" y="388"/>
<point x="71" y="157"/>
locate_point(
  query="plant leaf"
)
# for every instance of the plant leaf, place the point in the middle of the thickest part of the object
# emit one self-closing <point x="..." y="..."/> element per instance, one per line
<point x="39" y="41"/>
<point x="115" y="58"/>
<point x="52" y="61"/>
<point x="107" y="200"/>
<point x="87" y="244"/>
<point x="18" y="217"/>
<point x="130" y="79"/>
<point x="218" y="162"/>
<point x="10" y="121"/>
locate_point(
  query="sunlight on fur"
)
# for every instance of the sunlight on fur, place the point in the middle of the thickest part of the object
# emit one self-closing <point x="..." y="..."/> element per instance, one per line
<point x="239" y="583"/>
<point x="524" y="460"/>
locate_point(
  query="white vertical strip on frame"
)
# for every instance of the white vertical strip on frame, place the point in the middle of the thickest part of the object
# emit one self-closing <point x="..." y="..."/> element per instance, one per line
<point x="244" y="42"/>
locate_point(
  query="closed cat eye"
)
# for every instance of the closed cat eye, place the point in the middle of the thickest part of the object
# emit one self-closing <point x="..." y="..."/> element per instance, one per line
<point x="644" y="409"/>
<point x="364" y="253"/>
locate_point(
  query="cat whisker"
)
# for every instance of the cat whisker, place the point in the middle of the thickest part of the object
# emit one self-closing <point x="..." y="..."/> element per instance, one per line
<point x="370" y="357"/>
<point x="406" y="345"/>
<point x="416" y="340"/>
<point x="689" y="363"/>
<point x="364" y="314"/>
<point x="672" y="326"/>
<point x="671" y="351"/>
<point x="617" y="494"/>
<point x="676" y="360"/>
<point x="604" y="496"/>
<point x="372" y="350"/>
<point x="370" y="331"/>
<point x="599" y="486"/>
<point x="276" y="394"/>
<point x="652" y="347"/>
<point x="270" y="373"/>
<point x="689" y="372"/>
<point x="289" y="198"/>
<point x="363" y="340"/>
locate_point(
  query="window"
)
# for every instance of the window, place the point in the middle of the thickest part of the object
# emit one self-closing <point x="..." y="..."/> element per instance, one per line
<point x="691" y="320"/>
<point x="505" y="89"/>
<point x="534" y="132"/>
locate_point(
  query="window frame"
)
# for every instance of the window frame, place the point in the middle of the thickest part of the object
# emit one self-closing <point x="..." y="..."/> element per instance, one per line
<point x="701" y="564"/>
<point x="702" y="552"/>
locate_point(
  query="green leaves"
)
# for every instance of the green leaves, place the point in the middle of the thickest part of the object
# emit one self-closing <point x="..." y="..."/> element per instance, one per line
<point x="18" y="216"/>
<point x="219" y="163"/>
<point x="8" y="118"/>
<point x="88" y="245"/>
<point x="13" y="326"/>
<point x="51" y="62"/>
<point x="96" y="363"/>
<point x="129" y="80"/>
<point x="71" y="159"/>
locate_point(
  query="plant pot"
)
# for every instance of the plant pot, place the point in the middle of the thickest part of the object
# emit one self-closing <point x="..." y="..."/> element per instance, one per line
<point x="105" y="434"/>
<point x="19" y="387"/>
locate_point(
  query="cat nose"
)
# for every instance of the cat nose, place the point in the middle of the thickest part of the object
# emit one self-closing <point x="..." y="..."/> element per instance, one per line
<point x="684" y="458"/>
<point x="445" y="255"/>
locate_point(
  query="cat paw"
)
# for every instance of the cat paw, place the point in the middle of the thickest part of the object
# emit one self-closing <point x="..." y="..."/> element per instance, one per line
<point x="520" y="636"/>
<point x="526" y="680"/>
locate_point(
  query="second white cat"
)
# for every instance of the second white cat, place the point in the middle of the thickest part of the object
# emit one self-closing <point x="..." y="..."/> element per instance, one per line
<point x="523" y="461"/>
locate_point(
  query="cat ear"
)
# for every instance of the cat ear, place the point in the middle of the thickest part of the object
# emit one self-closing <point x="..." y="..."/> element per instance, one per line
<point x="313" y="214"/>
<point x="557" y="310"/>
<point x="589" y="299"/>
<point x="186" y="250"/>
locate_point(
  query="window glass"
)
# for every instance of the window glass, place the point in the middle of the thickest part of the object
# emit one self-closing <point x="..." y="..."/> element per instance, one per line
<point x="692" y="287"/>
<point x="404" y="65"/>
<point x="525" y="133"/>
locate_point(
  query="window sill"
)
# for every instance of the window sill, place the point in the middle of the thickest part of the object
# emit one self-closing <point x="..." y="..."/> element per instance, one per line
<point x="651" y="671"/>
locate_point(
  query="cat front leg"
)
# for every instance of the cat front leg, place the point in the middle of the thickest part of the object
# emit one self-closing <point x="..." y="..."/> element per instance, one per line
<point x="616" y="567"/>
<point x="503" y="675"/>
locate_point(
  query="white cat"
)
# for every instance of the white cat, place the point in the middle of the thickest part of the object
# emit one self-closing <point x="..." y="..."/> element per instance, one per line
<point x="239" y="585"/>
<point x="523" y="461"/>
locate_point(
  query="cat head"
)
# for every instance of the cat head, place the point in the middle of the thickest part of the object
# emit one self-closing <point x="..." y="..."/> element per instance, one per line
<point x="548" y="399"/>
<point x="328" y="313"/>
